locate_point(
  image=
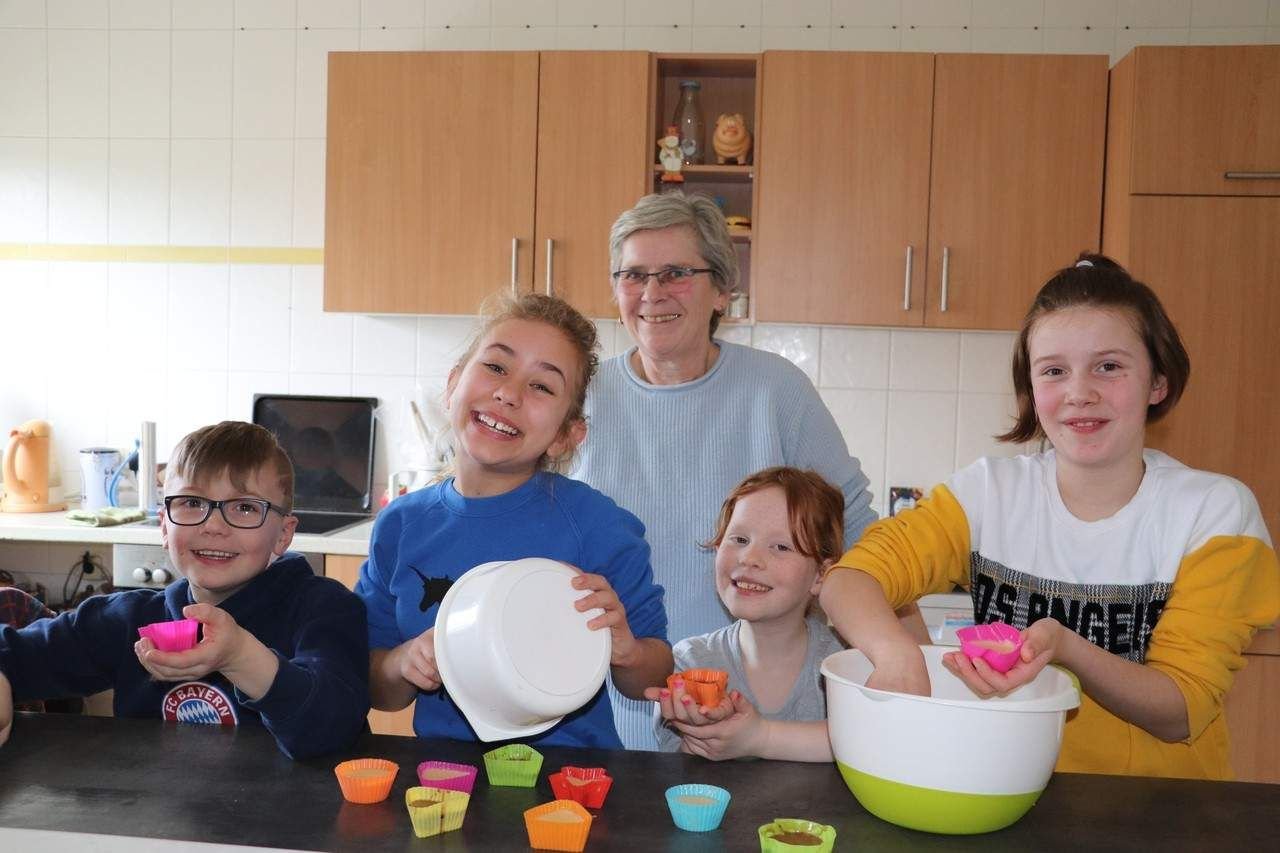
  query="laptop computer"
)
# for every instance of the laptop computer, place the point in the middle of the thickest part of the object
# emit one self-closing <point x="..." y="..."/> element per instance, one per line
<point x="330" y="442"/>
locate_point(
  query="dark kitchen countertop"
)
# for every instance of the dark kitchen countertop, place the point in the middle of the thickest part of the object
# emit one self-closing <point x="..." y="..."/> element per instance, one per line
<point x="232" y="786"/>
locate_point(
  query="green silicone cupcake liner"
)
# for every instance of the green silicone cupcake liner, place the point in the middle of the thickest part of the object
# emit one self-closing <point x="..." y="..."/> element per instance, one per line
<point x="515" y="765"/>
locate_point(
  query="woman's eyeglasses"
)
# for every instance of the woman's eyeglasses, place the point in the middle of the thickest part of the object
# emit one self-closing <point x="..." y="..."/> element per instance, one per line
<point x="244" y="513"/>
<point x="671" y="279"/>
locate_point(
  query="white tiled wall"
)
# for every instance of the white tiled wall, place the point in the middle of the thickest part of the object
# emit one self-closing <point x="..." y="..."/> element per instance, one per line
<point x="201" y="122"/>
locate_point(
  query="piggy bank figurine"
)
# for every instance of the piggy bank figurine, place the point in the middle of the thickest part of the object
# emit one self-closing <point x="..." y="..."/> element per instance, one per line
<point x="732" y="140"/>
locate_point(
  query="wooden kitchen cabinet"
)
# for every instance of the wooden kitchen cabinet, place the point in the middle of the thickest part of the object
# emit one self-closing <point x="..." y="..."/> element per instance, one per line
<point x="454" y="175"/>
<point x="1251" y="708"/>
<point x="347" y="570"/>
<point x="1200" y="120"/>
<point x="989" y="167"/>
<point x="1214" y="260"/>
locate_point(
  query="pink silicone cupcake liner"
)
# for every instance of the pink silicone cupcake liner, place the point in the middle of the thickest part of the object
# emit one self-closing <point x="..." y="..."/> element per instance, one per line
<point x="176" y="636"/>
<point x="997" y="643"/>
<point x="451" y="777"/>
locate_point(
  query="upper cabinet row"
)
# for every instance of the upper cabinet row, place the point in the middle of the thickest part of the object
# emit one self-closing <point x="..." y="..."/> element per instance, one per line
<point x="885" y="188"/>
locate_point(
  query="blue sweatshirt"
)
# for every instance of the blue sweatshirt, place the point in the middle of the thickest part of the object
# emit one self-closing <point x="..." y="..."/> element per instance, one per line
<point x="317" y="628"/>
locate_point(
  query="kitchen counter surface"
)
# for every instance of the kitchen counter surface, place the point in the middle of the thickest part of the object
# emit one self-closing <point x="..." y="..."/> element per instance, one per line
<point x="139" y="778"/>
<point x="54" y="527"/>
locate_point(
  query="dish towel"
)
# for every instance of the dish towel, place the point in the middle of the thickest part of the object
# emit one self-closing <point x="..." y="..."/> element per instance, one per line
<point x="108" y="516"/>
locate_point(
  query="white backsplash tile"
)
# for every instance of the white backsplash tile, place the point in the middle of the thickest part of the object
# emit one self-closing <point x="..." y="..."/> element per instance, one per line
<point x="521" y="13"/>
<point x="441" y="342"/>
<point x="24" y="97"/>
<point x="457" y="13"/>
<point x="393" y="13"/>
<point x="393" y="38"/>
<point x="671" y="38"/>
<point x="319" y="342"/>
<point x="523" y="38"/>
<point x="733" y="333"/>
<point x="137" y="313"/>
<point x="863" y="416"/>
<point x="385" y="345"/>
<point x="90" y="14"/>
<point x="78" y="401"/>
<point x="984" y="361"/>
<point x="733" y="39"/>
<point x="728" y="13"/>
<point x="645" y="13"/>
<point x="589" y="38"/>
<point x="795" y="38"/>
<point x="138" y="192"/>
<point x="139" y="83"/>
<point x="28" y="15"/>
<point x="24" y="190"/>
<point x="854" y="358"/>
<point x="199" y="315"/>
<point x="1007" y="40"/>
<point x="259" y="14"/>
<point x="260" y="317"/>
<point x="78" y="183"/>
<point x="457" y="38"/>
<point x="1080" y="13"/>
<point x="204" y="14"/>
<point x="262" y="192"/>
<point x="1153" y="13"/>
<point x="979" y="418"/>
<point x="200" y="192"/>
<point x="923" y="361"/>
<point x="797" y="344"/>
<point x="264" y="84"/>
<point x="867" y="38"/>
<point x="202" y="83"/>
<point x="570" y="13"/>
<point x="920" y="449"/>
<point x="866" y="13"/>
<point x="140" y="15"/>
<point x="796" y="13"/>
<point x="77" y="87"/>
<point x="196" y="398"/>
<point x="320" y="384"/>
<point x="328" y="14"/>
<point x="1023" y="14"/>
<point x="936" y="39"/>
<point x="937" y="13"/>
<point x="308" y="193"/>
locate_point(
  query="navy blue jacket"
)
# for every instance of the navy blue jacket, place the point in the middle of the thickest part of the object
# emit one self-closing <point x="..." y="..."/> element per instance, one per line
<point x="316" y="627"/>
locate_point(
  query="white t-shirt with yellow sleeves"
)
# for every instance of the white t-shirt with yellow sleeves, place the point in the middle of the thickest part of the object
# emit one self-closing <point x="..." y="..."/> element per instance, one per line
<point x="1179" y="579"/>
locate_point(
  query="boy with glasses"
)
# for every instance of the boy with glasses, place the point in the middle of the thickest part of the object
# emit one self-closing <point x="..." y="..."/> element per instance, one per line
<point x="281" y="647"/>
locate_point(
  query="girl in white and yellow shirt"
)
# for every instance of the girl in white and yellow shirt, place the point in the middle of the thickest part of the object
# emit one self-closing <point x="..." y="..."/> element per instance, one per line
<point x="1145" y="578"/>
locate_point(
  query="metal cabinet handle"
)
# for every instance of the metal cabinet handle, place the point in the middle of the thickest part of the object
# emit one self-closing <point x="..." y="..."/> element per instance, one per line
<point x="906" y="284"/>
<point x="551" y="246"/>
<point x="946" y="276"/>
<point x="1251" y="176"/>
<point x="515" y="253"/>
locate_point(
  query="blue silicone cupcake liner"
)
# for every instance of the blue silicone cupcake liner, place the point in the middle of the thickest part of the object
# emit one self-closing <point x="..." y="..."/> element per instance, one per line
<point x="697" y="816"/>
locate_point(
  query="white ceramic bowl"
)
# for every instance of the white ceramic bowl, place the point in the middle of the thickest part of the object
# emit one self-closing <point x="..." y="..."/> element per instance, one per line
<point x="951" y="762"/>
<point x="513" y="652"/>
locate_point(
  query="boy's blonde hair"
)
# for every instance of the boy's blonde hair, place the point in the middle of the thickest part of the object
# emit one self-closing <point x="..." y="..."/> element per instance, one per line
<point x="560" y="315"/>
<point x="815" y="510"/>
<point x="239" y="449"/>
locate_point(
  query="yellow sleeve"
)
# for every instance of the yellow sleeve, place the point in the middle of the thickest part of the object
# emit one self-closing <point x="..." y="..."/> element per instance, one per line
<point x="922" y="550"/>
<point x="1224" y="591"/>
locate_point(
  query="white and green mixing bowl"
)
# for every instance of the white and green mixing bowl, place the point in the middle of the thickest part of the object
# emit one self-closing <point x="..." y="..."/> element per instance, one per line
<point x="951" y="762"/>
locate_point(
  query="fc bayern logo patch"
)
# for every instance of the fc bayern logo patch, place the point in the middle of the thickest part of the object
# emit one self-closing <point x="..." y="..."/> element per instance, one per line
<point x="197" y="702"/>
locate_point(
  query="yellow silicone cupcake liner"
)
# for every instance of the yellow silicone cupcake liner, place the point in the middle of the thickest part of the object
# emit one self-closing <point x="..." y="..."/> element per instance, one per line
<point x="435" y="810"/>
<point x="515" y="765"/>
<point x="558" y="825"/>
<point x="785" y="835"/>
<point x="366" y="780"/>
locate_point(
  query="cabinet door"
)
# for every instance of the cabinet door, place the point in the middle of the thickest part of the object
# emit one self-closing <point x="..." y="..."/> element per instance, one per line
<point x="1214" y="262"/>
<point x="592" y="165"/>
<point x="1203" y="112"/>
<point x="1016" y="192"/>
<point x="430" y="177"/>
<point x="842" y="187"/>
<point x="346" y="570"/>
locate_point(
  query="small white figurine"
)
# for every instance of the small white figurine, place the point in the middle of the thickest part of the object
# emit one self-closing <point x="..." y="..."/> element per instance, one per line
<point x="670" y="155"/>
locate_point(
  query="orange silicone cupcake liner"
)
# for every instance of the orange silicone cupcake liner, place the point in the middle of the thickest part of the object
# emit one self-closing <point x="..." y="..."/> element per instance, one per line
<point x="586" y="785"/>
<point x="558" y="825"/>
<point x="704" y="686"/>
<point x="366" y="780"/>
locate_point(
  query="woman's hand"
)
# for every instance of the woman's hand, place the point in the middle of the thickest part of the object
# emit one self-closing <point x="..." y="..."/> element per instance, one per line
<point x="677" y="705"/>
<point x="624" y="645"/>
<point x="900" y="669"/>
<point x="1040" y="647"/>
<point x="733" y="729"/>
<point x="417" y="661"/>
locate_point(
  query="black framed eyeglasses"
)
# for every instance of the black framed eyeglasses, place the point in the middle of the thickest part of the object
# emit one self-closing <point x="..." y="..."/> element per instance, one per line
<point x="244" y="513"/>
<point x="672" y="278"/>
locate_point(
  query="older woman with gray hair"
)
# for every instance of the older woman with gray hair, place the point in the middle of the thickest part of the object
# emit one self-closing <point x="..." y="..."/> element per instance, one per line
<point x="679" y="419"/>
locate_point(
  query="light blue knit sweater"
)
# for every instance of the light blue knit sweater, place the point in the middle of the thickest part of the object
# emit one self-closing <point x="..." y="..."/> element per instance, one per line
<point x="671" y="454"/>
